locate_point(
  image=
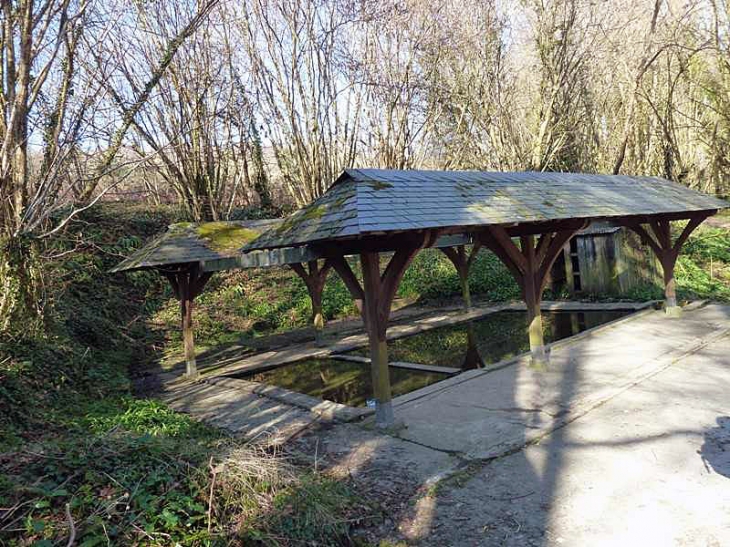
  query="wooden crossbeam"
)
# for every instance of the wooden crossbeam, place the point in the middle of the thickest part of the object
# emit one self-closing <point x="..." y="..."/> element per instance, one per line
<point x="350" y="280"/>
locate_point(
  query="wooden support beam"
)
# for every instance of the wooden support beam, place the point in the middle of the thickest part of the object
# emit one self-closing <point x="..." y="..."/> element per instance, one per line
<point x="314" y="277"/>
<point x="530" y="265"/>
<point x="376" y="296"/>
<point x="350" y="280"/>
<point x="660" y="241"/>
<point x="533" y="295"/>
<point x="462" y="262"/>
<point x="378" y="292"/>
<point x="187" y="281"/>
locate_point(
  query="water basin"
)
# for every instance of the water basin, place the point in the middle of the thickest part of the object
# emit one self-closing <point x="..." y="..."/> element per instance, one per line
<point x="490" y="339"/>
<point x="474" y="344"/>
<point x="341" y="381"/>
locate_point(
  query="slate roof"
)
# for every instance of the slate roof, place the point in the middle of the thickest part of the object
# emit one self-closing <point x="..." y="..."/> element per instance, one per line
<point x="187" y="242"/>
<point x="367" y="201"/>
<point x="216" y="246"/>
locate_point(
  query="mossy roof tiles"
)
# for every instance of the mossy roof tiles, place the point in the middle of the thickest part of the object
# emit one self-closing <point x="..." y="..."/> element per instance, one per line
<point x="367" y="201"/>
<point x="186" y="242"/>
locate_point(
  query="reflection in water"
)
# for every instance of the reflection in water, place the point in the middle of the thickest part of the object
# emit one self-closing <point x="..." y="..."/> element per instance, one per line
<point x="485" y="341"/>
<point x="472" y="357"/>
<point x="466" y="346"/>
<point x="341" y="381"/>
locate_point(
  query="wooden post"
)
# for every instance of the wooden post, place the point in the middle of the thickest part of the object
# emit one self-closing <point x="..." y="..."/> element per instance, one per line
<point x="187" y="283"/>
<point x="314" y="278"/>
<point x="530" y="265"/>
<point x="375" y="297"/>
<point x="186" y="314"/>
<point x="667" y="252"/>
<point x="462" y="263"/>
<point x="532" y="294"/>
<point x="376" y="325"/>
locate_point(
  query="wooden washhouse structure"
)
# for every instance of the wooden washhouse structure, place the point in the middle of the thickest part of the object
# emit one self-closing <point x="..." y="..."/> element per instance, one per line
<point x="606" y="259"/>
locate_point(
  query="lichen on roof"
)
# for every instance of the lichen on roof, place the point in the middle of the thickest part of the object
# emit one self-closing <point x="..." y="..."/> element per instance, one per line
<point x="187" y="242"/>
<point x="226" y="236"/>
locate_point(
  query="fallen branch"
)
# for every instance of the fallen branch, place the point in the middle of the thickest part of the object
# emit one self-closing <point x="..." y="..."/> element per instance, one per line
<point x="213" y="470"/>
<point x="72" y="527"/>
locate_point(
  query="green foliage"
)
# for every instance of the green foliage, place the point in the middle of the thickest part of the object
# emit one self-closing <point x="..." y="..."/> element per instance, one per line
<point x="432" y="276"/>
<point x="703" y="268"/>
<point x="118" y="485"/>
<point x="76" y="447"/>
<point x="142" y="416"/>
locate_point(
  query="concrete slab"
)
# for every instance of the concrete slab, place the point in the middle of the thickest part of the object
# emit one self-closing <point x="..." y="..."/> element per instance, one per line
<point x="650" y="467"/>
<point x="487" y="414"/>
<point x="326" y="410"/>
<point x="240" y="411"/>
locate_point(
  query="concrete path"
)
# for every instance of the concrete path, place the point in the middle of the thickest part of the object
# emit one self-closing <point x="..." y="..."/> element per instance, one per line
<point x="623" y="440"/>
<point x="651" y="467"/>
<point x="485" y="414"/>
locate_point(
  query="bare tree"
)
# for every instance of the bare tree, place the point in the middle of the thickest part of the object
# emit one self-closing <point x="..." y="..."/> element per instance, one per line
<point x="52" y="104"/>
<point x="311" y="106"/>
<point x="200" y="120"/>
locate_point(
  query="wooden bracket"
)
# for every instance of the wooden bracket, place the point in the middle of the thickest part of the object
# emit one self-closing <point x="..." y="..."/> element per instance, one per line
<point x="462" y="262"/>
<point x="530" y="265"/>
<point x="314" y="277"/>
<point x="393" y="273"/>
<point x="187" y="281"/>
<point x="378" y="291"/>
<point x="342" y="267"/>
<point x="660" y="241"/>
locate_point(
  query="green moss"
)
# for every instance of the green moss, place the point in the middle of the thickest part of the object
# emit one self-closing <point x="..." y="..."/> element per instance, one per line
<point x="379" y="185"/>
<point x="226" y="236"/>
<point x="180" y="226"/>
<point x="313" y="212"/>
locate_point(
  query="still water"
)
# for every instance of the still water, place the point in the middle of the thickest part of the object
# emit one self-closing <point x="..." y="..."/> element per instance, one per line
<point x="474" y="344"/>
<point x="488" y="340"/>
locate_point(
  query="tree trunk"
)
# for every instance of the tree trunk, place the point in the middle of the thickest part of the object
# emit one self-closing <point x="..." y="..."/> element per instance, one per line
<point x="21" y="306"/>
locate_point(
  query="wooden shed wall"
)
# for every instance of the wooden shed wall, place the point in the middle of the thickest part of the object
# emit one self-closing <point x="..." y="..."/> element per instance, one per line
<point x="611" y="263"/>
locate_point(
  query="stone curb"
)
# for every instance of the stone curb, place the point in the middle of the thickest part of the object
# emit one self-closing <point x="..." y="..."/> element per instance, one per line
<point x="325" y="410"/>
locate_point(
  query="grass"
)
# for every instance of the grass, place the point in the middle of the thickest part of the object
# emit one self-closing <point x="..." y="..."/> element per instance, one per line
<point x="81" y="458"/>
